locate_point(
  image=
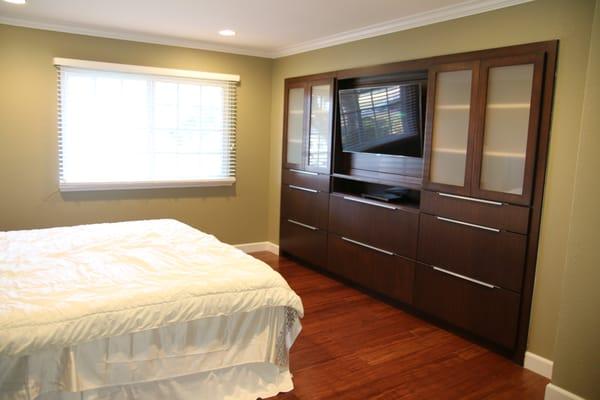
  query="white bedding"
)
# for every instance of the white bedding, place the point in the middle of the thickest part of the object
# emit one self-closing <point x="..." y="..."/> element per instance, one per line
<point x="64" y="286"/>
<point x="237" y="357"/>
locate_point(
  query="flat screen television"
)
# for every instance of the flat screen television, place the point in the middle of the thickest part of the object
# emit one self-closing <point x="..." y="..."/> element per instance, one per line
<point x="382" y="119"/>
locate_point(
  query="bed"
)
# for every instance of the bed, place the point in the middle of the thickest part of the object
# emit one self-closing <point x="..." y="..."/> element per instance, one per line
<point x="140" y="310"/>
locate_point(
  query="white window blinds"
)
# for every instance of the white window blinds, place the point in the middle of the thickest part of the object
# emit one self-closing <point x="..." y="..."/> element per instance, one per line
<point x="125" y="126"/>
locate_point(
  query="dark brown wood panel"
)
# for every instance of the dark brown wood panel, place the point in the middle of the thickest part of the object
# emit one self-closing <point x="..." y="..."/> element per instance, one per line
<point x="381" y="178"/>
<point x="497" y="258"/>
<point x="305" y="179"/>
<point x="305" y="206"/>
<point x="426" y="63"/>
<point x="490" y="313"/>
<point x="393" y="230"/>
<point x="551" y="51"/>
<point x="390" y="275"/>
<point x="304" y="243"/>
<point x="407" y="166"/>
<point x="504" y="216"/>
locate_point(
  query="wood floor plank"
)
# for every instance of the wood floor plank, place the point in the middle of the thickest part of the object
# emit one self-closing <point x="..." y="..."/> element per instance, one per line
<point x="354" y="347"/>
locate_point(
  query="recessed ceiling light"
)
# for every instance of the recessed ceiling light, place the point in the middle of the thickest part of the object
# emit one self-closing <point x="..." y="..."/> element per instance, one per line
<point x="227" y="32"/>
<point x="16" y="1"/>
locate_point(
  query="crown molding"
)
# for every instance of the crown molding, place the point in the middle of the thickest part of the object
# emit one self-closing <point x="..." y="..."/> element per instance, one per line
<point x="464" y="9"/>
<point x="135" y="37"/>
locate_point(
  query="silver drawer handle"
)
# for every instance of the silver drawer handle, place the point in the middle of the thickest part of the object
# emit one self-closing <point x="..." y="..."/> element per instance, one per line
<point x="487" y="228"/>
<point x="389" y="253"/>
<point x="302" y="188"/>
<point x="454" y="196"/>
<point x="371" y="203"/>
<point x="303" y="172"/>
<point x="466" y="278"/>
<point x="312" y="228"/>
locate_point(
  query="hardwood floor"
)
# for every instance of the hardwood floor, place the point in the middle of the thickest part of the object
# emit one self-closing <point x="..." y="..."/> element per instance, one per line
<point x="355" y="347"/>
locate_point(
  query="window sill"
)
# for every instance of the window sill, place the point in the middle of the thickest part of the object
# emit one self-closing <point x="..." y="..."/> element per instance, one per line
<point x="97" y="186"/>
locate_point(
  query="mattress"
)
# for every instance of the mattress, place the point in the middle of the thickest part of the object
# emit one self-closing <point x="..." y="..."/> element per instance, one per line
<point x="135" y="304"/>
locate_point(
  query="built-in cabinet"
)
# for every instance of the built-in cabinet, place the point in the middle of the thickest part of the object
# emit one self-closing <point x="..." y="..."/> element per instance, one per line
<point x="482" y="127"/>
<point x="451" y="127"/>
<point x="308" y="124"/>
<point x="306" y="167"/>
<point x="461" y="245"/>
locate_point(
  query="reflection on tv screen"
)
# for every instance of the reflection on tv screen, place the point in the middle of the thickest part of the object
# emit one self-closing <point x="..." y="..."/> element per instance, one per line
<point x="383" y="119"/>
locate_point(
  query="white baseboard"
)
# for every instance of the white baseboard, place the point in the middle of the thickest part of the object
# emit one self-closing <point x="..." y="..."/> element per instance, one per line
<point x="258" y="246"/>
<point x="554" y="392"/>
<point x="538" y="364"/>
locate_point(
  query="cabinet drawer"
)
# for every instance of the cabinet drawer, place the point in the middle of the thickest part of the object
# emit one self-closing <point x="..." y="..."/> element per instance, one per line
<point x="489" y="313"/>
<point x="390" y="275"/>
<point x="499" y="215"/>
<point x="497" y="258"/>
<point x="310" y="180"/>
<point x="308" y="206"/>
<point x="303" y="241"/>
<point x="378" y="225"/>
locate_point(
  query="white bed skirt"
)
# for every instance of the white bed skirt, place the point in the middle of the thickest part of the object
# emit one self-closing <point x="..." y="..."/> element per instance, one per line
<point x="242" y="356"/>
<point x="244" y="382"/>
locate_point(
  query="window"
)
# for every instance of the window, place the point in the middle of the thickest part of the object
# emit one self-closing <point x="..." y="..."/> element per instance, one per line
<point x="124" y="126"/>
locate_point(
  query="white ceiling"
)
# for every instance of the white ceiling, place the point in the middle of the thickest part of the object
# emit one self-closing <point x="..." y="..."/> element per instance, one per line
<point x="269" y="28"/>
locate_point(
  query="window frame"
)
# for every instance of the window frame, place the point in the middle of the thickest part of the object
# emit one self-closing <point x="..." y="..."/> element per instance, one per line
<point x="149" y="72"/>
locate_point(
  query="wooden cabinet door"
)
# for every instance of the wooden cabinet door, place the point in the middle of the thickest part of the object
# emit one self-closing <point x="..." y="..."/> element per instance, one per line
<point x="506" y="139"/>
<point x="295" y="123"/>
<point x="450" y="124"/>
<point x="320" y="123"/>
<point x="308" y="123"/>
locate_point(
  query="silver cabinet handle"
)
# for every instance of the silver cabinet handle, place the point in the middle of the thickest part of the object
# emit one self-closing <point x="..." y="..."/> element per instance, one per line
<point x="466" y="278"/>
<point x="303" y="172"/>
<point x="371" y="203"/>
<point x="487" y="228"/>
<point x="312" y="228"/>
<point x="389" y="253"/>
<point x="302" y="188"/>
<point x="454" y="196"/>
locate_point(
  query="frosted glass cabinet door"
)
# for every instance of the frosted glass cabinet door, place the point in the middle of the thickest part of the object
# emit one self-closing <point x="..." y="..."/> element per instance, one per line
<point x="295" y="126"/>
<point x="450" y="128"/>
<point x="506" y="128"/>
<point x="320" y="126"/>
<point x="506" y="138"/>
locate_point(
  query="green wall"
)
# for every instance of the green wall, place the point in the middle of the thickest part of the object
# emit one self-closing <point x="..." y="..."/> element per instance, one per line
<point x="568" y="21"/>
<point x="577" y="350"/>
<point x="28" y="140"/>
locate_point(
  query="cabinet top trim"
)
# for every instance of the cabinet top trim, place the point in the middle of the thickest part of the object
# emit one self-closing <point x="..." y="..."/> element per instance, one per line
<point x="425" y="63"/>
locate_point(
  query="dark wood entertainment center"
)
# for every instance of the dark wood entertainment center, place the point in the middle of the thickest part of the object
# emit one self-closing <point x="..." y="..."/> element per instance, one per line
<point x="461" y="247"/>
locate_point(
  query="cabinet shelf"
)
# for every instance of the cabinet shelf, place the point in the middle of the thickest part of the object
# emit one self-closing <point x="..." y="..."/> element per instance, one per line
<point x="381" y="178"/>
<point x="450" y="151"/>
<point x="456" y="107"/>
<point x="507" y="154"/>
<point x="507" y="106"/>
<point x="500" y="106"/>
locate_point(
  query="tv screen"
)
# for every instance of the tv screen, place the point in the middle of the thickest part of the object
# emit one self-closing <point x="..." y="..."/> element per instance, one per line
<point x="383" y="120"/>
